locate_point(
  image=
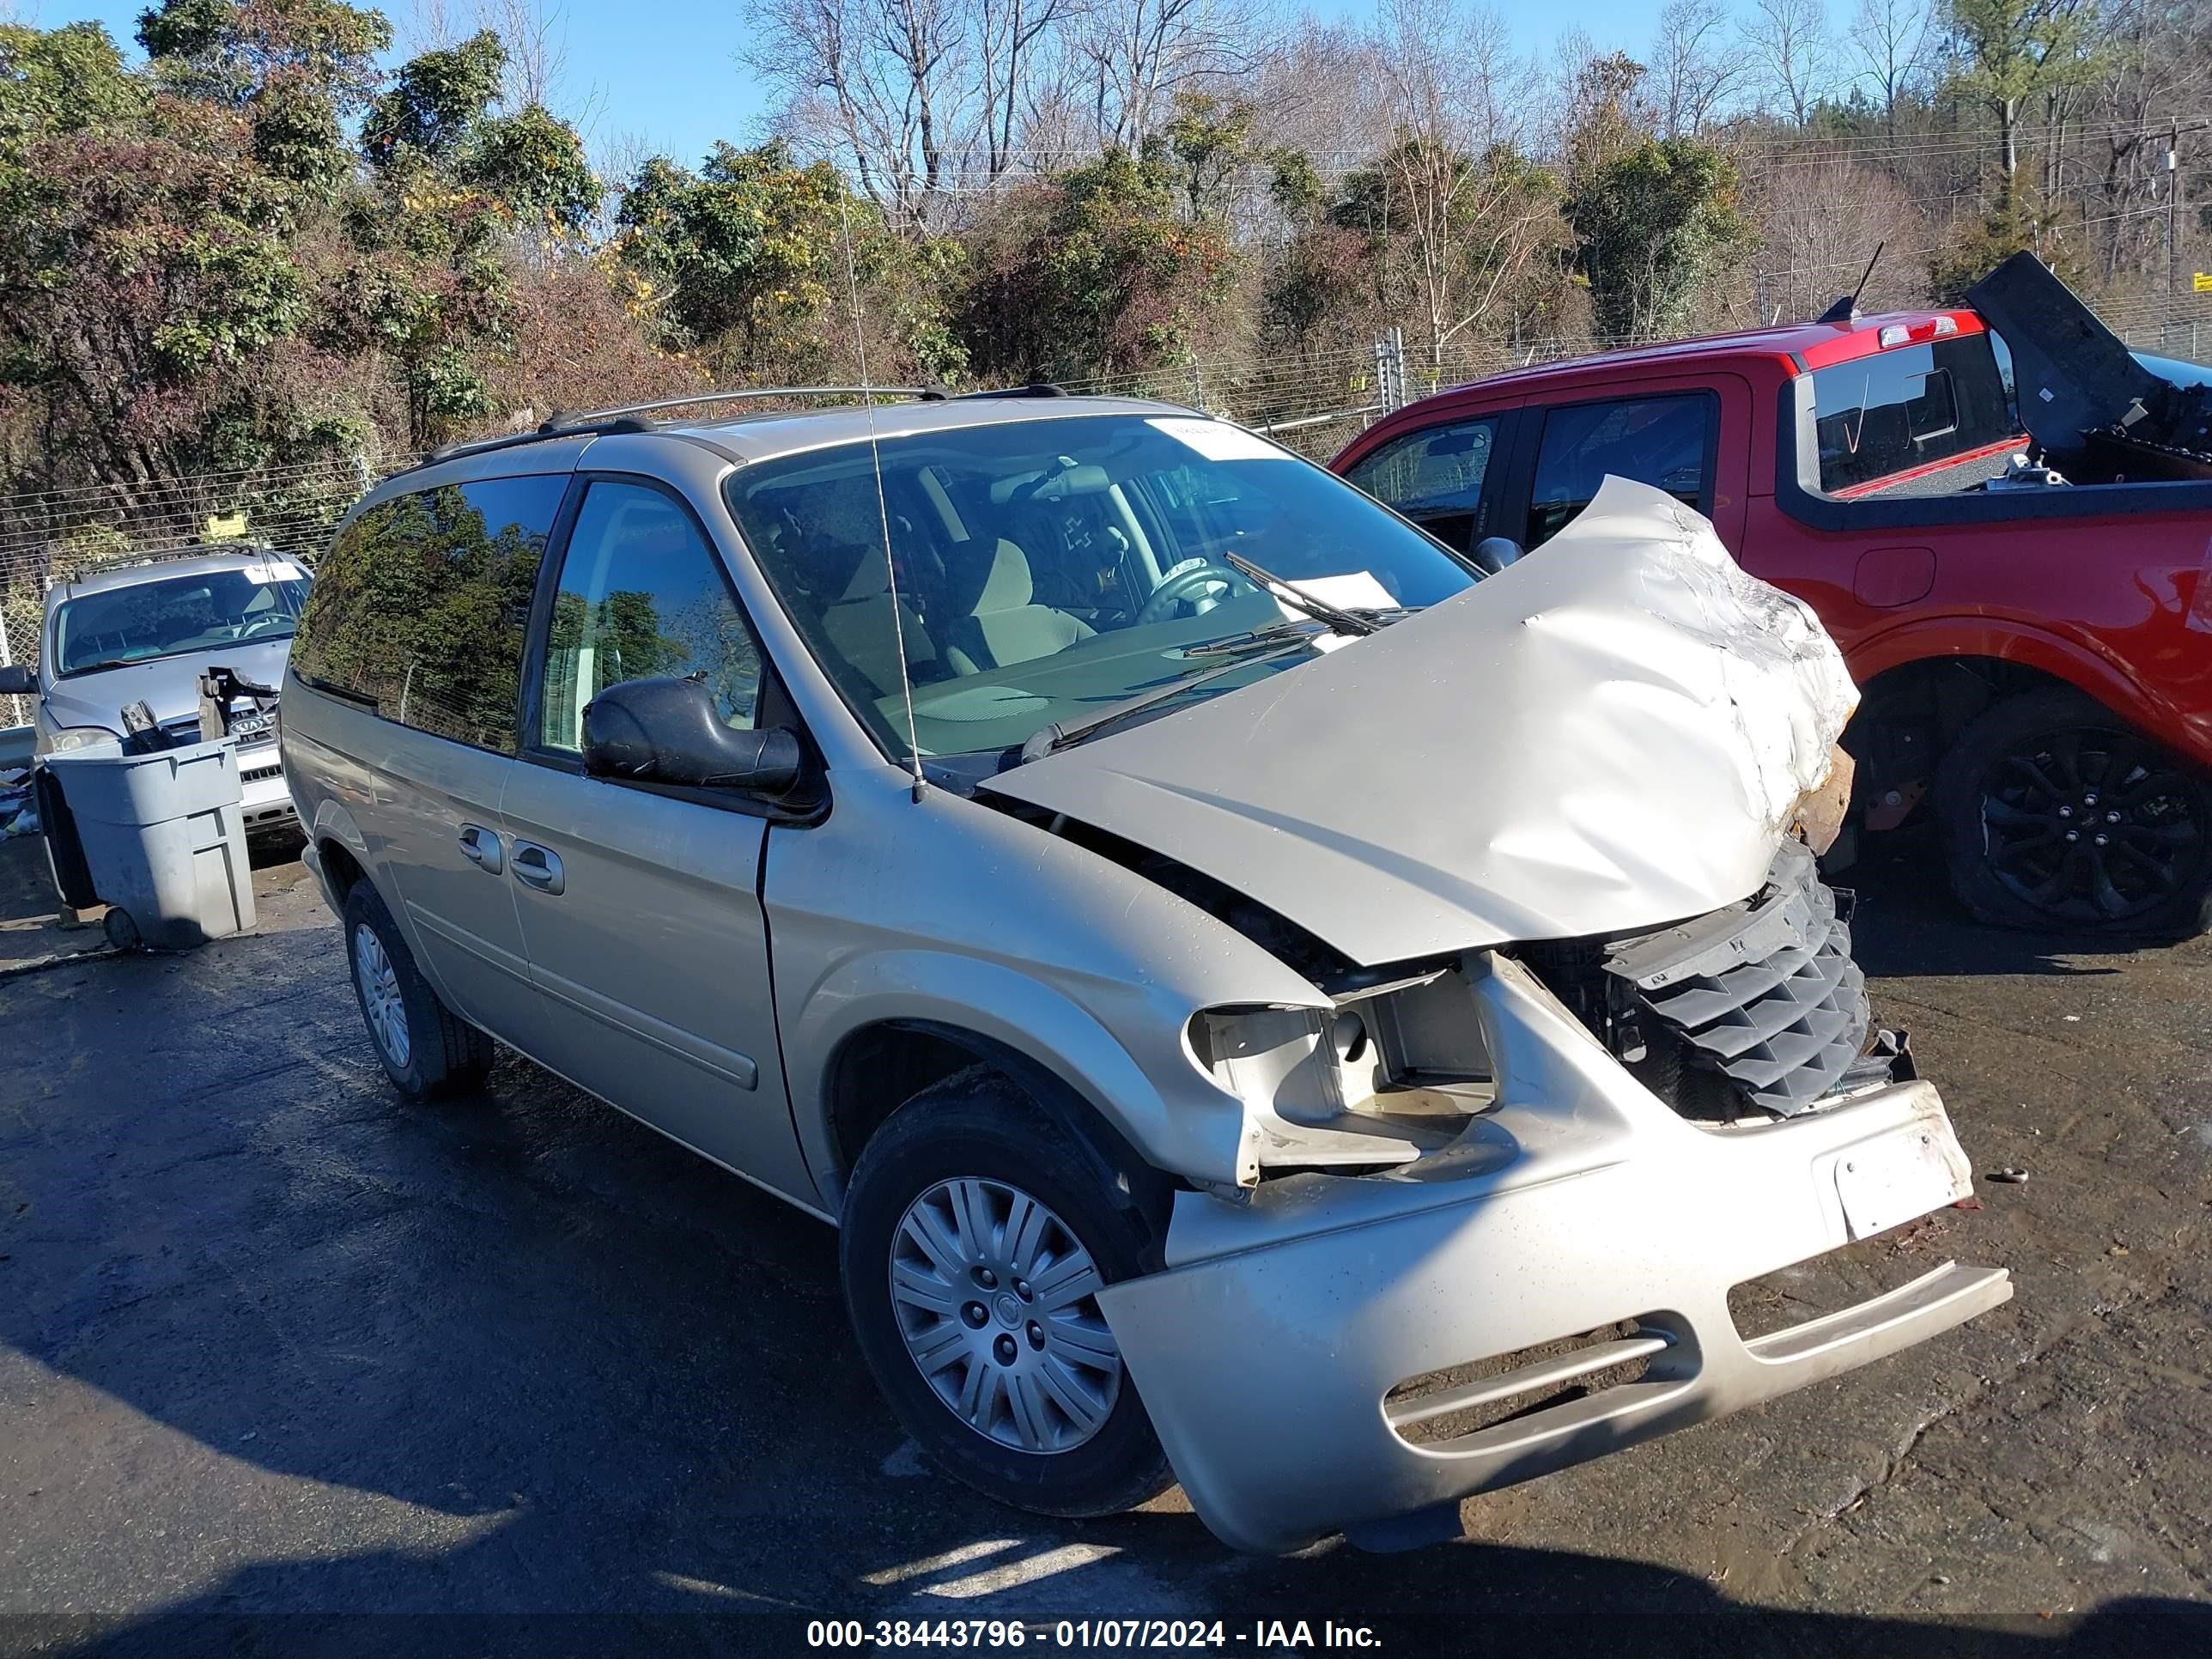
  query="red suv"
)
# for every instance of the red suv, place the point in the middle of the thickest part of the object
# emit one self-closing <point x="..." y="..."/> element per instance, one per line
<point x="2018" y="574"/>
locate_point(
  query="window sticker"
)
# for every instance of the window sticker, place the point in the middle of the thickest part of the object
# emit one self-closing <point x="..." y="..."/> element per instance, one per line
<point x="1217" y="440"/>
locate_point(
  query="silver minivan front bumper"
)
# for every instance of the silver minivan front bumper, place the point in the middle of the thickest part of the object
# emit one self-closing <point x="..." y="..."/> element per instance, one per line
<point x="1268" y="1351"/>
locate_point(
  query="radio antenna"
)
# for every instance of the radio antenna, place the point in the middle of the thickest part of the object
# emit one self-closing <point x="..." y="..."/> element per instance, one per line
<point x="883" y="507"/>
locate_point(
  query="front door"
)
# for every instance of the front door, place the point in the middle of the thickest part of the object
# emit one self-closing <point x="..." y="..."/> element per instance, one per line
<point x="641" y="905"/>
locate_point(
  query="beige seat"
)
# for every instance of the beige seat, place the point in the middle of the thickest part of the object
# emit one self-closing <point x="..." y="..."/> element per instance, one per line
<point x="998" y="623"/>
<point x="863" y="624"/>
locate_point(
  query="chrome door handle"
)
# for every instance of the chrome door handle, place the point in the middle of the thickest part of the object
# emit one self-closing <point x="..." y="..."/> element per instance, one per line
<point x="480" y="846"/>
<point x="540" y="866"/>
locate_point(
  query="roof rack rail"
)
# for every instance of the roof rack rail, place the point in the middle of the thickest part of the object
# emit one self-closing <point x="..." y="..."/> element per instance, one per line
<point x="1034" y="389"/>
<point x="631" y="417"/>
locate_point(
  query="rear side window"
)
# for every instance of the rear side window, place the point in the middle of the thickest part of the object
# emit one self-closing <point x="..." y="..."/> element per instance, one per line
<point x="1663" y="440"/>
<point x="421" y="606"/>
<point x="1908" y="407"/>
<point x="1434" y="478"/>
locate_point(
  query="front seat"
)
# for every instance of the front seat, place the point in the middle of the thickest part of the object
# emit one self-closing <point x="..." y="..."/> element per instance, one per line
<point x="1002" y="625"/>
<point x="863" y="624"/>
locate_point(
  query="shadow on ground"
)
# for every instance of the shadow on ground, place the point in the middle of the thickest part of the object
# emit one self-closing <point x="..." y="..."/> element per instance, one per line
<point x="1908" y="926"/>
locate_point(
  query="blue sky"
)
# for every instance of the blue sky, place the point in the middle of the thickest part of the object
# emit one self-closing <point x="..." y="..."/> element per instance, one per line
<point x="667" y="71"/>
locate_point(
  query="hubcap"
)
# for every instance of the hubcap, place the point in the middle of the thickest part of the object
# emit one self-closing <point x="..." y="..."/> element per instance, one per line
<point x="997" y="1302"/>
<point x="2093" y="826"/>
<point x="380" y="995"/>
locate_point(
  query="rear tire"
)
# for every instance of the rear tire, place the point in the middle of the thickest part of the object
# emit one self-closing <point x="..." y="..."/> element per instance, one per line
<point x="426" y="1050"/>
<point x="2059" y="815"/>
<point x="968" y="1189"/>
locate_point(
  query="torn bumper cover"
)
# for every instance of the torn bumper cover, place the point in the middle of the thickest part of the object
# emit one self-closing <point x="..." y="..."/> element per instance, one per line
<point x="1579" y="1232"/>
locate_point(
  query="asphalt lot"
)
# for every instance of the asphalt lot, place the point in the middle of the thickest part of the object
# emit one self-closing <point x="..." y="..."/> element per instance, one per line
<point x="271" y="1344"/>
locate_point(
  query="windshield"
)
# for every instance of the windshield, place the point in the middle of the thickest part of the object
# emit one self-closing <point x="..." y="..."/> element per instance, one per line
<point x="174" y="615"/>
<point x="1049" y="570"/>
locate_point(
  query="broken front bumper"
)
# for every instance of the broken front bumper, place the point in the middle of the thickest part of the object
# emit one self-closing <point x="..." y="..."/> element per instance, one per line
<point x="1268" y="1351"/>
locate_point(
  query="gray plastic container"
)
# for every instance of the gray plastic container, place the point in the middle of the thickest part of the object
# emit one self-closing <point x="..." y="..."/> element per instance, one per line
<point x="163" y="838"/>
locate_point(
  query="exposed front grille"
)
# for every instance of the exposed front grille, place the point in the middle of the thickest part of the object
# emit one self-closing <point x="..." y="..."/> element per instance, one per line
<point x="255" y="775"/>
<point x="1765" y="992"/>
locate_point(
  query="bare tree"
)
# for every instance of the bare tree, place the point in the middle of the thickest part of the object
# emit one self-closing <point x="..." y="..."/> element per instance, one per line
<point x="1793" y="56"/>
<point x="1011" y="35"/>
<point x="1473" y="212"/>
<point x="887" y="85"/>
<point x="536" y="36"/>
<point x="1138" y="54"/>
<point x="1697" y="63"/>
<point x="2156" y="60"/>
<point x="1823" y="217"/>
<point x="428" y="26"/>
<point x="1888" y="45"/>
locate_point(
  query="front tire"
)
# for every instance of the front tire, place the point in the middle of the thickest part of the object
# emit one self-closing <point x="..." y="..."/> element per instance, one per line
<point x="978" y="1228"/>
<point x="2059" y="815"/>
<point x="428" y="1050"/>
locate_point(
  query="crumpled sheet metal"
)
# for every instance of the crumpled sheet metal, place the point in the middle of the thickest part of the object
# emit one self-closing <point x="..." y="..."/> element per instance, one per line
<point x="1611" y="734"/>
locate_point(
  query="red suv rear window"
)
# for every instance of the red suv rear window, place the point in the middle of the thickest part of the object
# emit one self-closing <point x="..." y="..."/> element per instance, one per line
<point x="1907" y="407"/>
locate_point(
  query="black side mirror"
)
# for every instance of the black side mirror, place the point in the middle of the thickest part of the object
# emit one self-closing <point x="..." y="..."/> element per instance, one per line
<point x="668" y="730"/>
<point x="17" y="680"/>
<point x="1493" y="553"/>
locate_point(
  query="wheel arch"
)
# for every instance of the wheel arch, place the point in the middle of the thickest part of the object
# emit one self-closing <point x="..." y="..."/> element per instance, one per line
<point x="878" y="1068"/>
<point x="2035" y="653"/>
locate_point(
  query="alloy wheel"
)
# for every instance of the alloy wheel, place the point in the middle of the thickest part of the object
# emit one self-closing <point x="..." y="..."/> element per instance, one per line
<point x="997" y="1302"/>
<point x="2092" y="826"/>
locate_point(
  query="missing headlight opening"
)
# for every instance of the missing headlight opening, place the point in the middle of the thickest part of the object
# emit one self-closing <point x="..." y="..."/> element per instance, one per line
<point x="1394" y="1068"/>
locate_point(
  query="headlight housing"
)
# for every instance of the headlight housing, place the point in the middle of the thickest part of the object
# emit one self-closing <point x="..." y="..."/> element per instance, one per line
<point x="70" y="737"/>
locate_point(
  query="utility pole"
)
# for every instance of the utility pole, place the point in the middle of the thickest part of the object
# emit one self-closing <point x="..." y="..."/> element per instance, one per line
<point x="2172" y="222"/>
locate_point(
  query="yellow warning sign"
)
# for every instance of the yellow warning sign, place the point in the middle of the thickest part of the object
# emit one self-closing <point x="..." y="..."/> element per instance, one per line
<point x="2202" y="281"/>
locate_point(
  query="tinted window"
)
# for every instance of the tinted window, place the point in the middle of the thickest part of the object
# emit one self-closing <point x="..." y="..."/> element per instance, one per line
<point x="1907" y="407"/>
<point x="1042" y="570"/>
<point x="1654" y="441"/>
<point x="177" y="615"/>
<point x="1434" y="478"/>
<point x="422" y="603"/>
<point x="641" y="595"/>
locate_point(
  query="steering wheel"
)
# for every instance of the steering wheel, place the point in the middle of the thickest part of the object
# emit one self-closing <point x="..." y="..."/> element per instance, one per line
<point x="261" y="625"/>
<point x="1181" y="585"/>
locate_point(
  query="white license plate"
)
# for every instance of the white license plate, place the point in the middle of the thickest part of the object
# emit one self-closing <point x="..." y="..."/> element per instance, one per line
<point x="1885" y="1183"/>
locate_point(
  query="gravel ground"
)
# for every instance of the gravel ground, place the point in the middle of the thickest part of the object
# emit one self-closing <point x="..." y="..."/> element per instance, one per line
<point x="277" y="1353"/>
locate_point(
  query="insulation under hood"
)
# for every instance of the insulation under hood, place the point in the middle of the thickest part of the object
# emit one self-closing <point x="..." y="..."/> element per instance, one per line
<point x="1612" y="734"/>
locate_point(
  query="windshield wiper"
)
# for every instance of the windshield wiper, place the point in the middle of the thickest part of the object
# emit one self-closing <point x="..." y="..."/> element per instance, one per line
<point x="1340" y="620"/>
<point x="1061" y="733"/>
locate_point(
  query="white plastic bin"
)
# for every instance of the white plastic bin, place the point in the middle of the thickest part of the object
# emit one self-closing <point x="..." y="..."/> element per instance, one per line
<point x="163" y="839"/>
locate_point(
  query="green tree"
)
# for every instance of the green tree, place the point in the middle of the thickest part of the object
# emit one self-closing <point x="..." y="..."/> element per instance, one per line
<point x="294" y="68"/>
<point x="150" y="301"/>
<point x="744" y="263"/>
<point x="1094" y="272"/>
<point x="1655" y="225"/>
<point x="2006" y="53"/>
<point x="437" y="103"/>
<point x="1205" y="144"/>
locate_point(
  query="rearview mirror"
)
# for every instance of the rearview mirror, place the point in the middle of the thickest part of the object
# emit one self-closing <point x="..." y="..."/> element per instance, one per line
<point x="17" y="679"/>
<point x="668" y="730"/>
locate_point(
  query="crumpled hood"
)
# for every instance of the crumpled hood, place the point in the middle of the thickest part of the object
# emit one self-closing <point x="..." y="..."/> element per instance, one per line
<point x="1610" y="734"/>
<point x="170" y="686"/>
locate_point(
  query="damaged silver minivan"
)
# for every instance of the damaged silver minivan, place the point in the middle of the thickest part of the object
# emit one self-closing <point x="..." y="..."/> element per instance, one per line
<point x="1268" y="1005"/>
